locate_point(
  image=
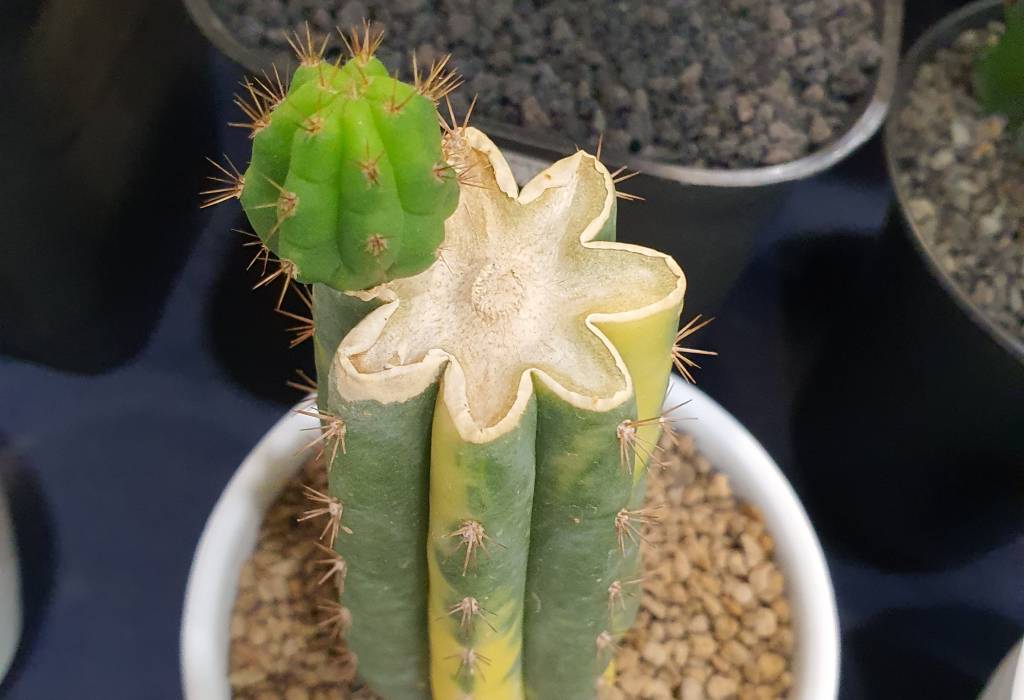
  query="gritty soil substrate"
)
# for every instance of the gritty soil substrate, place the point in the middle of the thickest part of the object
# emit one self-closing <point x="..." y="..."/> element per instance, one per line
<point x="711" y="83"/>
<point x="963" y="174"/>
<point x="714" y="621"/>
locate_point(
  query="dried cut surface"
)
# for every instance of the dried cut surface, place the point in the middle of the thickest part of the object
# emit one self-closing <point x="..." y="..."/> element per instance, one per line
<point x="714" y="617"/>
<point x="518" y="284"/>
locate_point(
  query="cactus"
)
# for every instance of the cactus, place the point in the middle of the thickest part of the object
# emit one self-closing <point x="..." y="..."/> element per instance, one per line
<point x="487" y="421"/>
<point x="999" y="78"/>
<point x="346" y="184"/>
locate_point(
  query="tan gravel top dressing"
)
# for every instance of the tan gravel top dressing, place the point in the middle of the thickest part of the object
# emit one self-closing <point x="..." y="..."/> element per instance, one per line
<point x="714" y="622"/>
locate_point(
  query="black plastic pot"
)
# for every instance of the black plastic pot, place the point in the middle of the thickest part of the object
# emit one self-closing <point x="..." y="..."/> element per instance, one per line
<point x="706" y="218"/>
<point x="915" y="412"/>
<point x="105" y="119"/>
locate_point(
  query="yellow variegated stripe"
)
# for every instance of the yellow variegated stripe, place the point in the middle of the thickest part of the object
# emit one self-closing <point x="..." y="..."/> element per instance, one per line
<point x="481" y="497"/>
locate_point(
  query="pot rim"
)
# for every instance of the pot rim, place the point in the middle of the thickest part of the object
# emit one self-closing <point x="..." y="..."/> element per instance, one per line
<point x="230" y="534"/>
<point x="938" y="35"/>
<point x="1007" y="680"/>
<point x="10" y="588"/>
<point x="546" y="147"/>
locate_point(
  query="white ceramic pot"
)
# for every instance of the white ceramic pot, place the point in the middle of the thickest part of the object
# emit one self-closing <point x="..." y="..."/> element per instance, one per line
<point x="230" y="534"/>
<point x="1007" y="683"/>
<point x="10" y="589"/>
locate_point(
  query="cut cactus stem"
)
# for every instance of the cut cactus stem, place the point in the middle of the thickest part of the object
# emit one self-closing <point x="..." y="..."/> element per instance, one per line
<point x="524" y="483"/>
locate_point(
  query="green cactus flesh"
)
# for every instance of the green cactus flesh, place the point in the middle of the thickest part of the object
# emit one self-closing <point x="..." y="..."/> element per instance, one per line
<point x="347" y="184"/>
<point x="999" y="75"/>
<point x="485" y="501"/>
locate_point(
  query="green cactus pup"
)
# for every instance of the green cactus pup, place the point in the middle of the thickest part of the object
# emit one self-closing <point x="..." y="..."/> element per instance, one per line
<point x="488" y="408"/>
<point x="347" y="184"/>
<point x="999" y="76"/>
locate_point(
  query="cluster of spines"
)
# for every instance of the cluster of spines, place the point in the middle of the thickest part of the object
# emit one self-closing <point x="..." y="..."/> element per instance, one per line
<point x="470" y="535"/>
<point x="335" y="616"/>
<point x="619" y="175"/>
<point x="261" y="96"/>
<point x="327" y="506"/>
<point x="471" y="540"/>
<point x="681" y="359"/>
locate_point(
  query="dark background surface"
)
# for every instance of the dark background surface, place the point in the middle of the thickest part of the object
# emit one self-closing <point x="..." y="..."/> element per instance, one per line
<point x="170" y="369"/>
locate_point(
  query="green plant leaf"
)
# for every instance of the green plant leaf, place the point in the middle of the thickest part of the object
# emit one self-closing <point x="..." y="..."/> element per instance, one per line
<point x="999" y="75"/>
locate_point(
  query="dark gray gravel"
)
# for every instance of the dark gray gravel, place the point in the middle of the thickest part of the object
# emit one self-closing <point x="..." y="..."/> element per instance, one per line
<point x="717" y="83"/>
<point x="964" y="174"/>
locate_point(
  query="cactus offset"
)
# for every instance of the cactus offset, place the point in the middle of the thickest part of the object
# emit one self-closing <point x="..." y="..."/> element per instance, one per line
<point x="347" y="182"/>
<point x="488" y="416"/>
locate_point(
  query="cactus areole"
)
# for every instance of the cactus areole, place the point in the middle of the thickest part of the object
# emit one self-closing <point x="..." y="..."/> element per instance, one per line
<point x="491" y="367"/>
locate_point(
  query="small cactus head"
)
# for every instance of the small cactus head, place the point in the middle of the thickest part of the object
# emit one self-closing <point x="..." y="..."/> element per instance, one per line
<point x="343" y="181"/>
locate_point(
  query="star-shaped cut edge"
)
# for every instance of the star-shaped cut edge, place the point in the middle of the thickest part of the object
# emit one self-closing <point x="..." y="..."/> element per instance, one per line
<point x="372" y="364"/>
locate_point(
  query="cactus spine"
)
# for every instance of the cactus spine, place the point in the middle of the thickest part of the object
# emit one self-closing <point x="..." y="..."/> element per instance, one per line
<point x="489" y="414"/>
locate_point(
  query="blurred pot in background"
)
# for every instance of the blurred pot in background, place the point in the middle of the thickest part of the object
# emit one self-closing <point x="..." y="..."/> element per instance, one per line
<point x="705" y="215"/>
<point x="106" y="107"/>
<point x="915" y="413"/>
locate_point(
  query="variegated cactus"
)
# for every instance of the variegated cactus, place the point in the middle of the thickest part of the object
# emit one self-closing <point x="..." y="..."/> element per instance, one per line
<point x="488" y="420"/>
